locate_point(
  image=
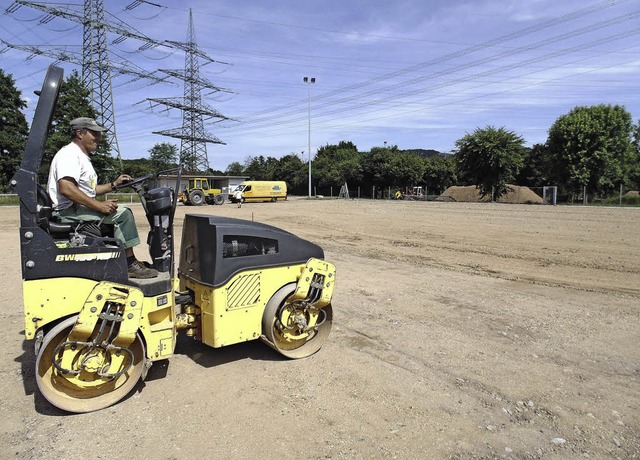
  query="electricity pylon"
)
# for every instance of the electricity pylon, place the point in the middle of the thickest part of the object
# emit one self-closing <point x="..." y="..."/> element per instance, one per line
<point x="192" y="135"/>
<point x="96" y="68"/>
<point x="96" y="73"/>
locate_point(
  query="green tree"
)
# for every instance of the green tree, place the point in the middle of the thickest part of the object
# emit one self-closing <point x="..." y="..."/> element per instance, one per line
<point x="535" y="171"/>
<point x="256" y="168"/>
<point x="138" y="167"/>
<point x="73" y="102"/>
<point x="163" y="156"/>
<point x="272" y="168"/>
<point x="490" y="158"/>
<point x="376" y="167"/>
<point x="234" y="169"/>
<point x="292" y="170"/>
<point x="261" y="168"/>
<point x="406" y="169"/>
<point x="13" y="129"/>
<point x="336" y="164"/>
<point x="439" y="173"/>
<point x="592" y="147"/>
<point x="634" y="168"/>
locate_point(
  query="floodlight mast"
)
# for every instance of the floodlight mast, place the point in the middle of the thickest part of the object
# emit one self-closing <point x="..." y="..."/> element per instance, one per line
<point x="309" y="81"/>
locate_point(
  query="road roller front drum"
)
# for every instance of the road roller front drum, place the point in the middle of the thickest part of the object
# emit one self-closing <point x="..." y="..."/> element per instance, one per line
<point x="295" y="329"/>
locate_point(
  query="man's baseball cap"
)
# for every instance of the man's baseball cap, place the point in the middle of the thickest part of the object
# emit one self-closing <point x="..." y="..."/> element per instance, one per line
<point x="86" y="123"/>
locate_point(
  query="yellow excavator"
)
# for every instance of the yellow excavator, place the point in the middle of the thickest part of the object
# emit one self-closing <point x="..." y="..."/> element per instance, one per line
<point x="96" y="332"/>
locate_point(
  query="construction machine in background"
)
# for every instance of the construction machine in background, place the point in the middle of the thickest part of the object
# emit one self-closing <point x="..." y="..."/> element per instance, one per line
<point x="96" y="332"/>
<point x="414" y="193"/>
<point x="200" y="191"/>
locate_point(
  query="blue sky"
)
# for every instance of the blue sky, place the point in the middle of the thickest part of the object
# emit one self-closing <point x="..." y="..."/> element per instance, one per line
<point x="411" y="73"/>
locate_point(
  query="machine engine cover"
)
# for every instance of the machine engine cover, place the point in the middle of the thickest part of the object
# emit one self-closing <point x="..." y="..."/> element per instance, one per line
<point x="215" y="248"/>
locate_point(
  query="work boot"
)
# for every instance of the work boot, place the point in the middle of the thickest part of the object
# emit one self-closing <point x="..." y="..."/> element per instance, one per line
<point x="138" y="270"/>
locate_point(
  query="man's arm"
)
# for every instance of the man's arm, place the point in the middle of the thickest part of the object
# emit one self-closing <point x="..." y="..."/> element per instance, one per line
<point x="68" y="187"/>
<point x="101" y="189"/>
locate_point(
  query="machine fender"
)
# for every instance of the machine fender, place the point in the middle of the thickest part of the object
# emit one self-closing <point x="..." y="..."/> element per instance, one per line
<point x="316" y="283"/>
<point x="111" y="302"/>
<point x="48" y="301"/>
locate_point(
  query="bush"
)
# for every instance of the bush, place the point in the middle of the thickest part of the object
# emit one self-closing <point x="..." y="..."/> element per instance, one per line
<point x="123" y="198"/>
<point x="627" y="200"/>
<point x="9" y="200"/>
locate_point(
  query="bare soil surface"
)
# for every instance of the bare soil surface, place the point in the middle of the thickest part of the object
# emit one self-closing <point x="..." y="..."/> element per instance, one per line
<point x="461" y="330"/>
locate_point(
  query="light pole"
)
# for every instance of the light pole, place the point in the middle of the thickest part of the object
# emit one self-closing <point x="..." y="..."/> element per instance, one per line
<point x="309" y="81"/>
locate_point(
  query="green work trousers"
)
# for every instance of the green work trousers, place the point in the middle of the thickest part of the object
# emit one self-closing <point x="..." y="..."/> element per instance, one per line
<point x="124" y="224"/>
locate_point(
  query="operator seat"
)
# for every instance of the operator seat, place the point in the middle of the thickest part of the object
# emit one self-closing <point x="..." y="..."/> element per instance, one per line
<point x="58" y="230"/>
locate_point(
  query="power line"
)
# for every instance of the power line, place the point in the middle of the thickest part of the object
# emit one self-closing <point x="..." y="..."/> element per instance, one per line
<point x="455" y="55"/>
<point x="294" y="114"/>
<point x="440" y="81"/>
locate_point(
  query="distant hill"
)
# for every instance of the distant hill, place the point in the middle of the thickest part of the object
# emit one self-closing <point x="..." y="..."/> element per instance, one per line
<point x="425" y="153"/>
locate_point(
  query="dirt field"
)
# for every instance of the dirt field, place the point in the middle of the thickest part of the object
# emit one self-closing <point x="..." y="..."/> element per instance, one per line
<point x="460" y="331"/>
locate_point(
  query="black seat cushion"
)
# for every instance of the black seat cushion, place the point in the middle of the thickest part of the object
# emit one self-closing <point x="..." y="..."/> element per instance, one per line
<point x="56" y="229"/>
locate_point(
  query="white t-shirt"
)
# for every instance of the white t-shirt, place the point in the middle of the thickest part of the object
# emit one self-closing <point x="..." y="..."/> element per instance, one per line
<point x="71" y="161"/>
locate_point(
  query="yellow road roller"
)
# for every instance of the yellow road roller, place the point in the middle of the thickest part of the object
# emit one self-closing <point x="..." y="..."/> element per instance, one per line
<point x="96" y="332"/>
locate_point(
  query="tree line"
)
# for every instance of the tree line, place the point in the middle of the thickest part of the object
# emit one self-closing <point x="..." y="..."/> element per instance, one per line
<point x="597" y="147"/>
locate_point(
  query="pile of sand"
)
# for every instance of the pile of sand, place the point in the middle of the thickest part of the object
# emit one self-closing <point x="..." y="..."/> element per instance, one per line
<point x="470" y="193"/>
<point x="632" y="193"/>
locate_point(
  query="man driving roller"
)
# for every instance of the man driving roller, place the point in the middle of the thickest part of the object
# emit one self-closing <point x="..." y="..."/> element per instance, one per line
<point x="73" y="187"/>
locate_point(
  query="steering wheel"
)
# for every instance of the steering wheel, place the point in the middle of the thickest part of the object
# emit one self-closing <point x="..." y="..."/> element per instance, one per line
<point x="134" y="182"/>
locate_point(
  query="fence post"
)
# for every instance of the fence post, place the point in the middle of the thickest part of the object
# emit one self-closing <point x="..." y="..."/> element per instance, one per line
<point x="620" y="194"/>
